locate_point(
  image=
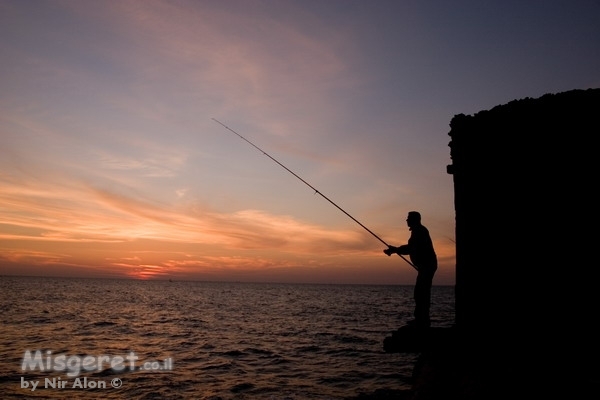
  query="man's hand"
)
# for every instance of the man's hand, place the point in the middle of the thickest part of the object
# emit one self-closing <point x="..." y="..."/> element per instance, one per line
<point x="390" y="250"/>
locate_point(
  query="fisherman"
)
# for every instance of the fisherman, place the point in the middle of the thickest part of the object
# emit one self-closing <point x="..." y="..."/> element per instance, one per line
<point x="422" y="255"/>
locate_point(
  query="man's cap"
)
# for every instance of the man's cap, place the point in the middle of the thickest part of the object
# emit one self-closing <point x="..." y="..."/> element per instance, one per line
<point x="414" y="215"/>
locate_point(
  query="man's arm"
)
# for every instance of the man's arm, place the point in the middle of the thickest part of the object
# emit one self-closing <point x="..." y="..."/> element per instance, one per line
<point x="404" y="249"/>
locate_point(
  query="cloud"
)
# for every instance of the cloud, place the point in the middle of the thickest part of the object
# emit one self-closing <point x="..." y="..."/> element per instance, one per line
<point x="107" y="153"/>
<point x="158" y="164"/>
<point x="202" y="55"/>
<point x="61" y="212"/>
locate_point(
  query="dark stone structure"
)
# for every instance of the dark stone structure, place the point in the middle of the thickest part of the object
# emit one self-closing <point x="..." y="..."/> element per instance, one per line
<point x="525" y="183"/>
<point x="526" y="200"/>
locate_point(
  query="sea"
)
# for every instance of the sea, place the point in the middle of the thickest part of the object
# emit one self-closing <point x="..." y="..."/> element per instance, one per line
<point x="147" y="339"/>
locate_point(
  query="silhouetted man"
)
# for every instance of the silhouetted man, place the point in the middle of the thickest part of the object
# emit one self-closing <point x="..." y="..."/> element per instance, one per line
<point x="422" y="255"/>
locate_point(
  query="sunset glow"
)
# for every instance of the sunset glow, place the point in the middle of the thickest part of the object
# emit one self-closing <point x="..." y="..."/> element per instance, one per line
<point x="111" y="164"/>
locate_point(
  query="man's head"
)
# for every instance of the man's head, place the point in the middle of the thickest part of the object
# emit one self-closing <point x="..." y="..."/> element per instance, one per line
<point x="413" y="219"/>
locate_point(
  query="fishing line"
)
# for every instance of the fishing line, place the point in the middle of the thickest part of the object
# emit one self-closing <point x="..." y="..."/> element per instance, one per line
<point x="310" y="186"/>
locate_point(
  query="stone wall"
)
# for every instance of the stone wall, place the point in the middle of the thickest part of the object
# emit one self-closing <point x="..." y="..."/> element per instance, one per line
<point x="525" y="180"/>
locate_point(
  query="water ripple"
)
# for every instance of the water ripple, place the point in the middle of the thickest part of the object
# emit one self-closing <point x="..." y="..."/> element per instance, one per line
<point x="226" y="341"/>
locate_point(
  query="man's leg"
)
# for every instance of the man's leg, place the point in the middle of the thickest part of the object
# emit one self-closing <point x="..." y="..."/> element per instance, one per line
<point x="422" y="297"/>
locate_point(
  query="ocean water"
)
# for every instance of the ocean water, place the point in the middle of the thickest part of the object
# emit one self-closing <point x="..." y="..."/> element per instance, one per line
<point x="117" y="339"/>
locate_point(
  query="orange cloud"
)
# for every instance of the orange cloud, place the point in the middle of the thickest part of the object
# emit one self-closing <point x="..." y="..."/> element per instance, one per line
<point x="109" y="185"/>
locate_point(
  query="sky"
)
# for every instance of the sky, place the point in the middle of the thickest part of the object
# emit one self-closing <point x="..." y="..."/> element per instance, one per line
<point x="113" y="162"/>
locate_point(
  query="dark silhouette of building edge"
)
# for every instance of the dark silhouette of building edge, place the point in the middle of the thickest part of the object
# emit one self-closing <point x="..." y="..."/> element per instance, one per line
<point x="525" y="194"/>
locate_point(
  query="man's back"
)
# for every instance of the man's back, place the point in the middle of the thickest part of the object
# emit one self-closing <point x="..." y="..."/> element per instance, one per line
<point x="422" y="253"/>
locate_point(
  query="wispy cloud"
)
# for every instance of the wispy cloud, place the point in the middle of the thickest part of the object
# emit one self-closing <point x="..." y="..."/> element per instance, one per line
<point x="160" y="167"/>
<point x="56" y="212"/>
<point x="109" y="157"/>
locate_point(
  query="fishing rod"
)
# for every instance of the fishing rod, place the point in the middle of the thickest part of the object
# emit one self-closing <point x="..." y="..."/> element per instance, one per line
<point x="312" y="187"/>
